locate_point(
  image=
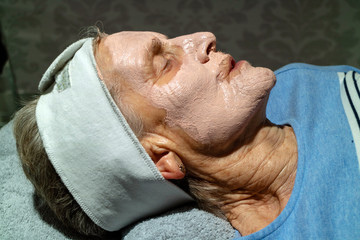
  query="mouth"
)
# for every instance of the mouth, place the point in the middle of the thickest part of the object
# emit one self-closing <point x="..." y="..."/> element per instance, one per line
<point x="235" y="68"/>
<point x="233" y="63"/>
<point x="229" y="68"/>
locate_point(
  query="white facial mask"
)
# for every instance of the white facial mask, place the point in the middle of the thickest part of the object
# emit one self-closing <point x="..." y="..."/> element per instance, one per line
<point x="199" y="99"/>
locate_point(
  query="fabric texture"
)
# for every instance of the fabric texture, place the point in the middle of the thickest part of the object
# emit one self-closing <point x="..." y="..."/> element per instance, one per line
<point x="325" y="202"/>
<point x="183" y="223"/>
<point x="93" y="149"/>
<point x="24" y="216"/>
<point x="350" y="96"/>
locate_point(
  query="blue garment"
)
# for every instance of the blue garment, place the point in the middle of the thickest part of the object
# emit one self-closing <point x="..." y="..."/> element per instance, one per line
<point x="325" y="202"/>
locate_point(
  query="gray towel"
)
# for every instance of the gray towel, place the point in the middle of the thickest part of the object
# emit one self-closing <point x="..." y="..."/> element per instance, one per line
<point x="24" y="216"/>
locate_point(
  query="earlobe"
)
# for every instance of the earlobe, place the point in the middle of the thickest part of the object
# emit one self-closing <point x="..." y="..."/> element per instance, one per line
<point x="170" y="166"/>
<point x="168" y="162"/>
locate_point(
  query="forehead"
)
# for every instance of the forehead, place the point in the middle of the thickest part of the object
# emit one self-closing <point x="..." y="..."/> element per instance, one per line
<point x="137" y="34"/>
<point x="127" y="47"/>
<point x="131" y="39"/>
<point x="125" y="55"/>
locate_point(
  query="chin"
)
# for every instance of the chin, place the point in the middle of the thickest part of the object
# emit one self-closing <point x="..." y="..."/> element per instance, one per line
<point x="269" y="75"/>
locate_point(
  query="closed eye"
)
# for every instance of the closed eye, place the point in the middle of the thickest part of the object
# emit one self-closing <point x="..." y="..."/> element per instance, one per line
<point x="161" y="64"/>
<point x="168" y="64"/>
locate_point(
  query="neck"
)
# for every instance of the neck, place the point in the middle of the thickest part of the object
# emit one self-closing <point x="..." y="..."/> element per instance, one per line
<point x="257" y="179"/>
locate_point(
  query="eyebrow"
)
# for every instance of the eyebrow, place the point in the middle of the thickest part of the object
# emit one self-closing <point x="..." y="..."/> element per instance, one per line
<point x="155" y="46"/>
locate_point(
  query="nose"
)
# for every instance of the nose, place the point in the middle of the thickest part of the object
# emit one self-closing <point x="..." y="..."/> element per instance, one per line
<point x="200" y="44"/>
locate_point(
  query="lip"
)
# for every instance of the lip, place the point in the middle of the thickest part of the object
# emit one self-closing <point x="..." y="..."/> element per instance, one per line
<point x="236" y="69"/>
<point x="228" y="68"/>
<point x="238" y="65"/>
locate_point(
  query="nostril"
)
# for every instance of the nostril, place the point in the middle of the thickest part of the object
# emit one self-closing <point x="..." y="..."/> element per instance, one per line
<point x="233" y="63"/>
<point x="205" y="47"/>
<point x="211" y="47"/>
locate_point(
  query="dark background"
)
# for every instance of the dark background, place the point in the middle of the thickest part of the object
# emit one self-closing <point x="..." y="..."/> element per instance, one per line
<point x="268" y="33"/>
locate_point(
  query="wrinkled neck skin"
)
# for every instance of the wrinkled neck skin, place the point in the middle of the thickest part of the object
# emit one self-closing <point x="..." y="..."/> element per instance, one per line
<point x="256" y="180"/>
<point x="255" y="166"/>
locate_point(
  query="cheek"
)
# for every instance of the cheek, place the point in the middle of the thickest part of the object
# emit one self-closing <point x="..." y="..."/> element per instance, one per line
<point x="172" y="97"/>
<point x="167" y="77"/>
<point x="187" y="100"/>
<point x="188" y="86"/>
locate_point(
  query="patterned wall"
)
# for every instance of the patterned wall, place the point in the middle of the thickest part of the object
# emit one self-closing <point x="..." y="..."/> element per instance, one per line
<point x="268" y="33"/>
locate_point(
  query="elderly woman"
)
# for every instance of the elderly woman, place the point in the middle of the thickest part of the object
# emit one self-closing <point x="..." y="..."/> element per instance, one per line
<point x="198" y="116"/>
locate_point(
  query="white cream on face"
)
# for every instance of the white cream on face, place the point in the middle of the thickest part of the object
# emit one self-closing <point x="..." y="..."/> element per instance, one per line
<point x="208" y="110"/>
<point x="200" y="99"/>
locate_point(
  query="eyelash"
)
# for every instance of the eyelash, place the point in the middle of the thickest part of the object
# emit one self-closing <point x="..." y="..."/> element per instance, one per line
<point x="167" y="64"/>
<point x="159" y="49"/>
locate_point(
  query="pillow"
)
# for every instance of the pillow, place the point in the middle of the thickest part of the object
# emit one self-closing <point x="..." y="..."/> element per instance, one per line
<point x="25" y="216"/>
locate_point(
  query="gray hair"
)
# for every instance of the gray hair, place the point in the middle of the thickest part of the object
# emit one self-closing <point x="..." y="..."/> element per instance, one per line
<point x="39" y="170"/>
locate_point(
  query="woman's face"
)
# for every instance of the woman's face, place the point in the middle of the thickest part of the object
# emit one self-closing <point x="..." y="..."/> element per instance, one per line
<point x="205" y="93"/>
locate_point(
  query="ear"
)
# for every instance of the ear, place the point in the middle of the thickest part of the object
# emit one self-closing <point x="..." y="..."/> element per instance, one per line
<point x="168" y="162"/>
<point x="170" y="166"/>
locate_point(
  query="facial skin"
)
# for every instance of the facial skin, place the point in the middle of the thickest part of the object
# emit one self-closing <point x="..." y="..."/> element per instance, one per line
<point x="206" y="113"/>
<point x="204" y="92"/>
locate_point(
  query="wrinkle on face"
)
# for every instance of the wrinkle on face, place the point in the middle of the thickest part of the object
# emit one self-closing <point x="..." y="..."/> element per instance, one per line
<point x="188" y="79"/>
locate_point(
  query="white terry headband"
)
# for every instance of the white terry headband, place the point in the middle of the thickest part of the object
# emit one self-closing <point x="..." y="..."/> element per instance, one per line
<point x="92" y="147"/>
